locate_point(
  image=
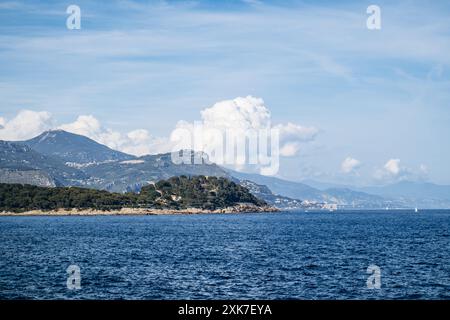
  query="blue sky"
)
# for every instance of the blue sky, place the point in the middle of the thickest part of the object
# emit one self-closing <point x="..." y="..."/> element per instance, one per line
<point x="373" y="95"/>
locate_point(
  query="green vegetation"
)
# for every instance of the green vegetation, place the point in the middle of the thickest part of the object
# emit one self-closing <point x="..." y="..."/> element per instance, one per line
<point x="175" y="193"/>
<point x="18" y="198"/>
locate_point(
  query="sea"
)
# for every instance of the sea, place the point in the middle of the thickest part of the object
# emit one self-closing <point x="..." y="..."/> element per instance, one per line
<point x="288" y="255"/>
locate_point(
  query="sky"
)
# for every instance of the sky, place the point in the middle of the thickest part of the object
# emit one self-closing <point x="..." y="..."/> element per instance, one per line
<point x="353" y="105"/>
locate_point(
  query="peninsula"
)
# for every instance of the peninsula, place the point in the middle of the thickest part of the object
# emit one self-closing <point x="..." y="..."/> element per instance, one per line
<point x="176" y="195"/>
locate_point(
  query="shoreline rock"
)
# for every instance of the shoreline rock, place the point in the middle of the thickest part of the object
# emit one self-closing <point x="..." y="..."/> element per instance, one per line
<point x="240" y="208"/>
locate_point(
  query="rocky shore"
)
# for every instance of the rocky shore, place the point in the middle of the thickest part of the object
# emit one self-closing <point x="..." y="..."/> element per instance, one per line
<point x="241" y="208"/>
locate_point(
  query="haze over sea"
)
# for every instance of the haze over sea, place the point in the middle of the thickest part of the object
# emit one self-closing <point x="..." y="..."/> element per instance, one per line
<point x="291" y="255"/>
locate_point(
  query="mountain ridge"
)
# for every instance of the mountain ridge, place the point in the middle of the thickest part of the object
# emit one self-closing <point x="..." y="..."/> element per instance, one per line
<point x="48" y="160"/>
<point x="16" y="157"/>
<point x="74" y="148"/>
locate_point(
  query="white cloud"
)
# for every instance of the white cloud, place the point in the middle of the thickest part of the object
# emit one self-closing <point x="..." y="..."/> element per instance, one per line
<point x="240" y="113"/>
<point x="85" y="125"/>
<point x="26" y="124"/>
<point x="232" y="116"/>
<point x="393" y="167"/>
<point x="290" y="149"/>
<point x="391" y="171"/>
<point x="350" y="164"/>
<point x="137" y="142"/>
<point x="230" y="130"/>
<point x="248" y="113"/>
<point x="292" y="136"/>
<point x="140" y="142"/>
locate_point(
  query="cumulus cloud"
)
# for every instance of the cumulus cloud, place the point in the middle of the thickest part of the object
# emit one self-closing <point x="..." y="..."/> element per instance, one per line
<point x="394" y="171"/>
<point x="289" y="149"/>
<point x="239" y="133"/>
<point x="391" y="171"/>
<point x="137" y="142"/>
<point x="349" y="165"/>
<point x="229" y="131"/>
<point x="292" y="136"/>
<point x="26" y="124"/>
<point x="140" y="142"/>
<point x="393" y="167"/>
<point x="250" y="113"/>
<point x="236" y="117"/>
<point x="240" y="113"/>
<point x="85" y="125"/>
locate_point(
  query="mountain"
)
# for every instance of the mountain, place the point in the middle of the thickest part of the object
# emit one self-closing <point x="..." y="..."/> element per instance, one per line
<point x="62" y="158"/>
<point x="412" y="189"/>
<point x="59" y="158"/>
<point x="73" y="148"/>
<point x="347" y="198"/>
<point x="199" y="192"/>
<point x="31" y="177"/>
<point x="403" y="194"/>
<point x="419" y="194"/>
<point x="344" y="197"/>
<point x="113" y="170"/>
<point x="284" y="203"/>
<point x="19" y="163"/>
<point x="295" y="190"/>
<point x="325" y="185"/>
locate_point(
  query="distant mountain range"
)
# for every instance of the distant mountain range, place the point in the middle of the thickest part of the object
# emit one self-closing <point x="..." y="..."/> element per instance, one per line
<point x="60" y="158"/>
<point x="74" y="148"/>
<point x="404" y="193"/>
<point x="418" y="194"/>
<point x="343" y="197"/>
<point x="20" y="163"/>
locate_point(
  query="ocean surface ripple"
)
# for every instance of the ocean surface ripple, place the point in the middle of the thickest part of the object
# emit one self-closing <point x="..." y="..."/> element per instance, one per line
<point x="291" y="255"/>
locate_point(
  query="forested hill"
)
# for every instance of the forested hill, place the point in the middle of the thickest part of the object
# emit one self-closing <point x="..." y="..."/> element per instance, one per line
<point x="183" y="192"/>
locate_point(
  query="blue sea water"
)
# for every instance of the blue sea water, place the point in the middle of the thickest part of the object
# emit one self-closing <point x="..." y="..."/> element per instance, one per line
<point x="248" y="256"/>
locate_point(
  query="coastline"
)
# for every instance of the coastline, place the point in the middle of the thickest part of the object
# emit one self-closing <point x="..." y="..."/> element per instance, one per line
<point x="242" y="208"/>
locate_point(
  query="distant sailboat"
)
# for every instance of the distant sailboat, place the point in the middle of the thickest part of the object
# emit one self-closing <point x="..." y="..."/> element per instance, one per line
<point x="416" y="210"/>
